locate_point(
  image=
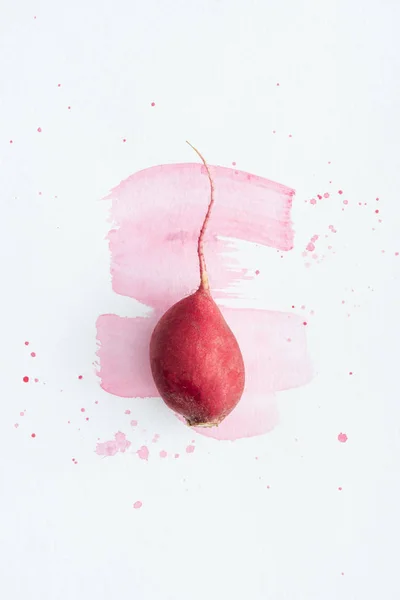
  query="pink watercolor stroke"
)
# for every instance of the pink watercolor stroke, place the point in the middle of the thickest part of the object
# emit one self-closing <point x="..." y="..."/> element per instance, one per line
<point x="156" y="215"/>
<point x="112" y="447"/>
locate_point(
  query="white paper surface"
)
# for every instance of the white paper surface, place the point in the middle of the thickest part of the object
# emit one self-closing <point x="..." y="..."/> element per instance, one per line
<point x="261" y="517"/>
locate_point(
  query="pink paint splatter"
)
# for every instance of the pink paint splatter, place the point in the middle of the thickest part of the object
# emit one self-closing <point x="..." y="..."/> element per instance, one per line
<point x="80" y="376"/>
<point x="342" y="437"/>
<point x="190" y="449"/>
<point x="143" y="453"/>
<point x="25" y="379"/>
<point x="138" y="504"/>
<point x="157" y="233"/>
<point x="112" y="447"/>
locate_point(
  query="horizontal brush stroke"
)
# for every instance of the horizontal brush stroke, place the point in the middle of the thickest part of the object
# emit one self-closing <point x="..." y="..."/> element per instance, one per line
<point x="157" y="215"/>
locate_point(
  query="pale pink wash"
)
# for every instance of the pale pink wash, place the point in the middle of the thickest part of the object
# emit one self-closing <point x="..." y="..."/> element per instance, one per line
<point x="156" y="215"/>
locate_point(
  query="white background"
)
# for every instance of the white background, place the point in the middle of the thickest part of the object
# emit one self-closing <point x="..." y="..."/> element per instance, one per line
<point x="209" y="526"/>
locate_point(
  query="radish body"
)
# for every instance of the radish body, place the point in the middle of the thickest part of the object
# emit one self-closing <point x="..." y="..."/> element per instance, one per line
<point x="195" y="359"/>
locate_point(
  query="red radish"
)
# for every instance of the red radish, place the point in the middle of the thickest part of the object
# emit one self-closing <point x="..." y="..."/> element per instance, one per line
<point x="195" y="359"/>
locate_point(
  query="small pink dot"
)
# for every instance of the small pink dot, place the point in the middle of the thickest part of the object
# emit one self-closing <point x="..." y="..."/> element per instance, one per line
<point x="16" y="425"/>
<point x="124" y="140"/>
<point x="73" y="460"/>
<point x="326" y="195"/>
<point x="127" y="412"/>
<point x="138" y="504"/>
<point x="329" y="162"/>
<point x="134" y="423"/>
<point x="176" y="455"/>
<point x="153" y="104"/>
<point x="21" y="414"/>
<point x="87" y="418"/>
<point x="304" y="322"/>
<point x="69" y="108"/>
<point x="33" y="354"/>
<point x="273" y="131"/>
<point x="350" y="372"/>
<point x="25" y="379"/>
<point x="36" y="380"/>
<point x="257" y="272"/>
<point x="278" y="84"/>
<point x="83" y="409"/>
<point x="268" y="487"/>
<point x="163" y="454"/>
<point x="11" y="142"/>
<point x="313" y="201"/>
<point x="377" y="210"/>
<point x="345" y="201"/>
<point x="289" y="340"/>
<point x="33" y="435"/>
<point x="342" y="437"/>
<point x="396" y="253"/>
<point x="234" y="164"/>
<point x="59" y="85"/>
<point x="80" y="376"/>
<point x="377" y="199"/>
<point x="190" y="449"/>
<point x="340" y="489"/>
<point x="340" y="192"/>
<point x="39" y="130"/>
<point x="342" y="573"/>
<point x="290" y="135"/>
<point x="26" y="343"/>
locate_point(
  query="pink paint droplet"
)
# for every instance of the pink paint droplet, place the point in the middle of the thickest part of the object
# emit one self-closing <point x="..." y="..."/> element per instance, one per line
<point x="33" y="354"/>
<point x="153" y="104"/>
<point x="33" y="435"/>
<point x="25" y="379"/>
<point x="340" y="192"/>
<point x="143" y="453"/>
<point x="176" y="455"/>
<point x="111" y="447"/>
<point x="313" y="201"/>
<point x="36" y="380"/>
<point x="26" y="343"/>
<point x="278" y="84"/>
<point x="39" y="130"/>
<point x="134" y="423"/>
<point x="304" y="323"/>
<point x="163" y="454"/>
<point x="396" y="254"/>
<point x="377" y="211"/>
<point x="83" y="409"/>
<point x="21" y="414"/>
<point x="138" y="504"/>
<point x="128" y="412"/>
<point x="234" y="164"/>
<point x="340" y="489"/>
<point x="345" y="201"/>
<point x="190" y="449"/>
<point x="350" y="372"/>
<point x="257" y="272"/>
<point x="342" y="437"/>
<point x="124" y="140"/>
<point x="59" y="85"/>
<point x="273" y="131"/>
<point x="11" y="142"/>
<point x="80" y="376"/>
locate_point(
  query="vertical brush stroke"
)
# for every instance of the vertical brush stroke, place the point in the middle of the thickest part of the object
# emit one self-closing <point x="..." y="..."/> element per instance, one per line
<point x="156" y="215"/>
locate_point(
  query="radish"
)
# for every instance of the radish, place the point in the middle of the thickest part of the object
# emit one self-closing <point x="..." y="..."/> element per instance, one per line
<point x="195" y="359"/>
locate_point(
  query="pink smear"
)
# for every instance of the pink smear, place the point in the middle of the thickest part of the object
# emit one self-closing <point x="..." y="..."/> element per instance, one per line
<point x="138" y="504"/>
<point x="143" y="453"/>
<point x="110" y="448"/>
<point x="342" y="437"/>
<point x="156" y="215"/>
